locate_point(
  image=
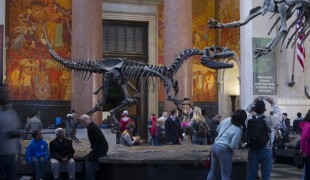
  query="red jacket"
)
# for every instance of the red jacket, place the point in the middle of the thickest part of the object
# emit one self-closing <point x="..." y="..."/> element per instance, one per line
<point x="123" y="122"/>
<point x="305" y="137"/>
<point x="154" y="127"/>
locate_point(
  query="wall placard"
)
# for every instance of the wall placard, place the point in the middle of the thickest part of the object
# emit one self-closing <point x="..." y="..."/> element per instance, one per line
<point x="264" y="70"/>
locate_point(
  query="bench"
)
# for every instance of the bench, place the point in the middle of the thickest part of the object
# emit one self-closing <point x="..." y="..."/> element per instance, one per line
<point x="27" y="168"/>
<point x="170" y="162"/>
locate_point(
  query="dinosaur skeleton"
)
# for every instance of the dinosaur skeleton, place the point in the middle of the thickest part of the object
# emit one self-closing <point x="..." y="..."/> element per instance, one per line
<point x="120" y="71"/>
<point x="285" y="9"/>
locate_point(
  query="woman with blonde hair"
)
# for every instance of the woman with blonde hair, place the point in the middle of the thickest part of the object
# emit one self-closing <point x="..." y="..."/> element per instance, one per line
<point x="199" y="128"/>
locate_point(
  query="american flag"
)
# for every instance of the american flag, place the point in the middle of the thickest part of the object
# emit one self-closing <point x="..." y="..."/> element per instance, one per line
<point x="300" y="47"/>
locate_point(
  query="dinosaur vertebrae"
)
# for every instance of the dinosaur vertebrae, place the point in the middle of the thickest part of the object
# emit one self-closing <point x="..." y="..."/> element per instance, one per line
<point x="137" y="71"/>
<point x="128" y="68"/>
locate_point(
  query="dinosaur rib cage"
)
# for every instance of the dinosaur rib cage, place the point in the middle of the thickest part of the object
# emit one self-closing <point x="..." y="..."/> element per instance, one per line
<point x="138" y="70"/>
<point x="304" y="29"/>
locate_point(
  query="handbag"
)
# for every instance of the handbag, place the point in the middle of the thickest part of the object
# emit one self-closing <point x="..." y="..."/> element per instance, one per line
<point x="208" y="161"/>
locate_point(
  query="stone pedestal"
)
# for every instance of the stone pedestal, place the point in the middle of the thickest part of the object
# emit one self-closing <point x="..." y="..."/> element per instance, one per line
<point x="87" y="45"/>
<point x="171" y="162"/>
<point x="178" y="36"/>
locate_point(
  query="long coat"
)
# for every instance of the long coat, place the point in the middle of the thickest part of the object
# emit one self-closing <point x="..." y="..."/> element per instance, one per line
<point x="173" y="130"/>
<point x="98" y="142"/>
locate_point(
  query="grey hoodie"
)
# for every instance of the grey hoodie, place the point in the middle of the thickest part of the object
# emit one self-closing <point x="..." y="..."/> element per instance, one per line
<point x="9" y="123"/>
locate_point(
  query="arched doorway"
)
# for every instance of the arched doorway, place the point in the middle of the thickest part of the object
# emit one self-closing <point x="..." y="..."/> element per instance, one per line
<point x="229" y="87"/>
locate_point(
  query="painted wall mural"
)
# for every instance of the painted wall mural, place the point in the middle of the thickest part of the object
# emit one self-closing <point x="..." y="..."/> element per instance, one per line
<point x="229" y="37"/>
<point x="32" y="75"/>
<point x="204" y="82"/>
<point x="204" y="79"/>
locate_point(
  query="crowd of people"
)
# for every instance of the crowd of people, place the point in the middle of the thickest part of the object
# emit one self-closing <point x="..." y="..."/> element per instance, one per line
<point x="61" y="151"/>
<point x="246" y="128"/>
<point x="175" y="129"/>
<point x="238" y="131"/>
<point x="39" y="152"/>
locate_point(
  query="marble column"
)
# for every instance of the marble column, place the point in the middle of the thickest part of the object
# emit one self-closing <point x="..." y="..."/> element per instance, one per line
<point x="87" y="45"/>
<point x="246" y="74"/>
<point x="177" y="37"/>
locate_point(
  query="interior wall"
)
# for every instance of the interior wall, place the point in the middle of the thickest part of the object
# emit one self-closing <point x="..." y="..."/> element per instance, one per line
<point x="290" y="99"/>
<point x="231" y="86"/>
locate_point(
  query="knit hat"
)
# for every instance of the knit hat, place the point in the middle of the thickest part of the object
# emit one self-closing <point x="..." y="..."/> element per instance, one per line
<point x="125" y="112"/>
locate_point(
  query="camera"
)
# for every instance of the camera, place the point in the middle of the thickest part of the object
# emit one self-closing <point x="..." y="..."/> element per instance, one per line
<point x="263" y="98"/>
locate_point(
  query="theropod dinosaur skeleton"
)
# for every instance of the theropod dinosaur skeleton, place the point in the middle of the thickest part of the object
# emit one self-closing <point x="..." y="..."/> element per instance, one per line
<point x="285" y="9"/>
<point x="120" y="70"/>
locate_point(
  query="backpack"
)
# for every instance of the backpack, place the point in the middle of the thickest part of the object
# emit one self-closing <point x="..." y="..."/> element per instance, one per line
<point x="202" y="129"/>
<point x="257" y="133"/>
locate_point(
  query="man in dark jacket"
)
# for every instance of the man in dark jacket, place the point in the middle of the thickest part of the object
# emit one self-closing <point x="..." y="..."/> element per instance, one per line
<point x="286" y="121"/>
<point x="61" y="151"/>
<point x="98" y="144"/>
<point x="296" y="123"/>
<point x="173" y="130"/>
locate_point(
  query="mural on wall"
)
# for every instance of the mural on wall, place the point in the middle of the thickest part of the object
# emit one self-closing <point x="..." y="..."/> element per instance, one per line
<point x="229" y="37"/>
<point x="32" y="75"/>
<point x="204" y="79"/>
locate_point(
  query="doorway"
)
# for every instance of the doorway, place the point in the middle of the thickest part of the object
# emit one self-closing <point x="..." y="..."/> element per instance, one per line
<point x="127" y="39"/>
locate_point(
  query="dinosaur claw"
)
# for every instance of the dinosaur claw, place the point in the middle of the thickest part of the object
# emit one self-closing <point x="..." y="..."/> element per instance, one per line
<point x="212" y="23"/>
<point x="180" y="104"/>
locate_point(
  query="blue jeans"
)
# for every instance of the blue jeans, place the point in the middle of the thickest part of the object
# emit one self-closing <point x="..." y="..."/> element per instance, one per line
<point x="303" y="173"/>
<point x="307" y="168"/>
<point x="155" y="140"/>
<point x="90" y="169"/>
<point x="38" y="165"/>
<point x="199" y="140"/>
<point x="221" y="160"/>
<point x="264" y="158"/>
